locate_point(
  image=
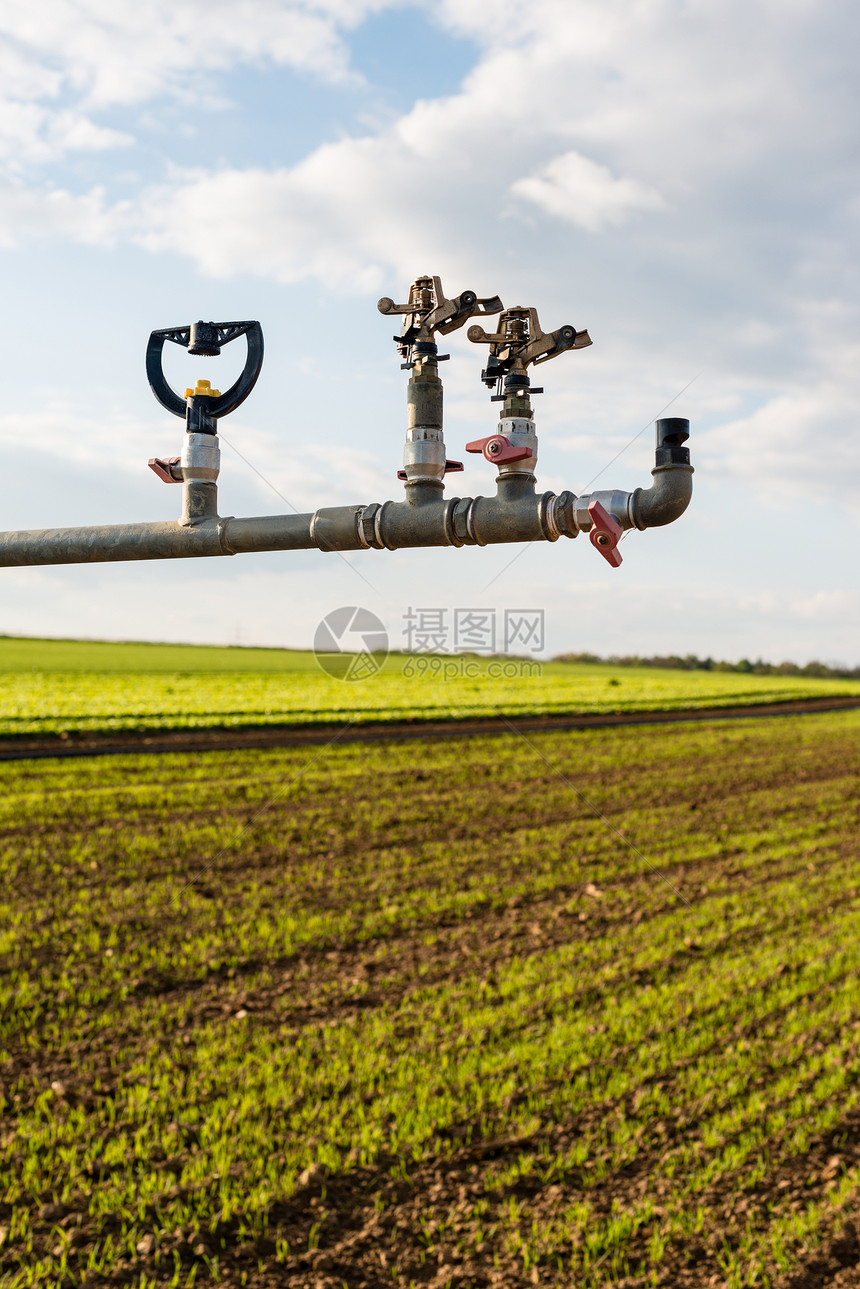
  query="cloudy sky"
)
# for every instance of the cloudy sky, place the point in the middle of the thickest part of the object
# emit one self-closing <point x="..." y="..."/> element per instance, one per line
<point x="678" y="176"/>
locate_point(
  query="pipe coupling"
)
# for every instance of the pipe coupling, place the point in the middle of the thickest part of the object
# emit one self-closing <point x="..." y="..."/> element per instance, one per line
<point x="424" y="455"/>
<point x="520" y="433"/>
<point x="617" y="503"/>
<point x="201" y="458"/>
<point x="339" y="528"/>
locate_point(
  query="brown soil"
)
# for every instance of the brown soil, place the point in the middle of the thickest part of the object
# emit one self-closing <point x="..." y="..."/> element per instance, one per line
<point x="370" y="1222"/>
<point x="86" y="743"/>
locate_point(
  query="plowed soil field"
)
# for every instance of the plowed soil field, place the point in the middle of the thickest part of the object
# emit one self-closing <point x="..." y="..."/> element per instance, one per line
<point x="565" y="1008"/>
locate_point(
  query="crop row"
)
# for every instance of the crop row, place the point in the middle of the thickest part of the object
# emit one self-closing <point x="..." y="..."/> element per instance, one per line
<point x="43" y="701"/>
<point x="632" y="956"/>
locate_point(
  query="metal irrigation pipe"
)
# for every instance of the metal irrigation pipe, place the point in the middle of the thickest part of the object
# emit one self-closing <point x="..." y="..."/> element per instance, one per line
<point x="425" y="517"/>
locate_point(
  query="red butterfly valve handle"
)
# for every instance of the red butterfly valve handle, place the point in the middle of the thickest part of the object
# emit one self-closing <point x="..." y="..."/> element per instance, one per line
<point x="497" y="449"/>
<point x="605" y="533"/>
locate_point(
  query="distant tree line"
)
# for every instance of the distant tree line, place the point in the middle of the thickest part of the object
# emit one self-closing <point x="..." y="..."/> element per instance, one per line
<point x="692" y="662"/>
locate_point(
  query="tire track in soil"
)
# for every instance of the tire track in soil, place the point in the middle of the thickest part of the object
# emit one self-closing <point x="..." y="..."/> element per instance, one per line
<point x="26" y="747"/>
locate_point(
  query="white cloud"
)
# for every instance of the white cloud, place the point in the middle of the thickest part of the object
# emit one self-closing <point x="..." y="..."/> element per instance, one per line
<point x="304" y="224"/>
<point x="596" y="112"/>
<point x="33" y="134"/>
<point x="56" y="213"/>
<point x="839" y="609"/>
<point x="117" y="444"/>
<point x="577" y="189"/>
<point x="117" y="51"/>
<point x="532" y="173"/>
<point x="112" y="441"/>
<point x="588" y="111"/>
<point x="803" y="441"/>
<point x="63" y="61"/>
<point x="677" y="178"/>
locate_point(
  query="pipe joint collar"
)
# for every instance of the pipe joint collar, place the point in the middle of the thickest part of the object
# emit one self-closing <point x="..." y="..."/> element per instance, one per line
<point x="201" y="458"/>
<point x="339" y="528"/>
<point x="424" y="457"/>
<point x="520" y="433"/>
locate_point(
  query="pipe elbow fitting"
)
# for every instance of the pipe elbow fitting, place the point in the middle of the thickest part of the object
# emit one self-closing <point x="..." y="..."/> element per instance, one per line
<point x="666" y="499"/>
<point x="670" y="493"/>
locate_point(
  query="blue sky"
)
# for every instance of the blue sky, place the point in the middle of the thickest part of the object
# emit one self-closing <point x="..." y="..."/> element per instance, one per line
<point x="680" y="178"/>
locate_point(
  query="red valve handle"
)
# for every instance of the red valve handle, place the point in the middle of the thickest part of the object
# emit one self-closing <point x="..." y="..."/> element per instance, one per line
<point x="605" y="533"/>
<point x="163" y="468"/>
<point x="497" y="449"/>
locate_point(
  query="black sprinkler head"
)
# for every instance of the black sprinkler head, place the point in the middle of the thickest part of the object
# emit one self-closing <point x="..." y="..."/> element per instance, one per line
<point x="203" y="340"/>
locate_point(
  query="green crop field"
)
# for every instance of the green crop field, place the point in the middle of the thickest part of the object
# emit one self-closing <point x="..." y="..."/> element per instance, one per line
<point x="566" y="1009"/>
<point x="52" y="687"/>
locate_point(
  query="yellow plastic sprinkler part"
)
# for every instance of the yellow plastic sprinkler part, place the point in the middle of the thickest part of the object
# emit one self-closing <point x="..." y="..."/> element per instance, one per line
<point x="203" y="389"/>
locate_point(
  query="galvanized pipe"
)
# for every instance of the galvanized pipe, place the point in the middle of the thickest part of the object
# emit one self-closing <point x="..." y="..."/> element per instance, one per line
<point x="517" y="513"/>
<point x="425" y="517"/>
<point x="267" y="533"/>
<point x="112" y="542"/>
